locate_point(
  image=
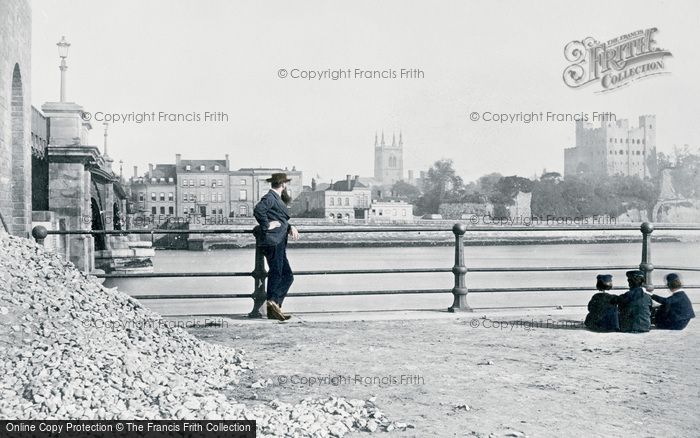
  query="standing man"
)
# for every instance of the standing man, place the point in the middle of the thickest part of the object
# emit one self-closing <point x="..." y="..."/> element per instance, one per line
<point x="271" y="234"/>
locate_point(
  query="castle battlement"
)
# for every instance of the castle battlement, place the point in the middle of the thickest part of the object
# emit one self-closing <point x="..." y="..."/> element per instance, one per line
<point x="614" y="148"/>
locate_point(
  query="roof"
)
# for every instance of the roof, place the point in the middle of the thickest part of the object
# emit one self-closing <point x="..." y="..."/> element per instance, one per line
<point x="342" y="185"/>
<point x="163" y="171"/>
<point x="208" y="165"/>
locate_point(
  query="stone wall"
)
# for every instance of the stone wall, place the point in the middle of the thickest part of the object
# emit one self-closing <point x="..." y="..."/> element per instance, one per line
<point x="15" y="115"/>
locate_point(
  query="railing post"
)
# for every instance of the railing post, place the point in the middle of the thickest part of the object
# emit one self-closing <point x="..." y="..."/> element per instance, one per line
<point x="646" y="266"/>
<point x="39" y="233"/>
<point x="460" y="271"/>
<point x="259" y="275"/>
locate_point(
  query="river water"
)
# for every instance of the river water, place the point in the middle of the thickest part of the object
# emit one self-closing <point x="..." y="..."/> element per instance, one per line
<point x="622" y="254"/>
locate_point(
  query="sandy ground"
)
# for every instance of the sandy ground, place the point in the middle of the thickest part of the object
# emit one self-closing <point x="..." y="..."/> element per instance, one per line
<point x="530" y="373"/>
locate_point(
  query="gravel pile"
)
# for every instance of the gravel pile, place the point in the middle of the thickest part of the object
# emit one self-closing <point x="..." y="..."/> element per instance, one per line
<point x="71" y="348"/>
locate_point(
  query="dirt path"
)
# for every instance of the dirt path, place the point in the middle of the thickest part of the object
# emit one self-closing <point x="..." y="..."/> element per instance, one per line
<point x="467" y="376"/>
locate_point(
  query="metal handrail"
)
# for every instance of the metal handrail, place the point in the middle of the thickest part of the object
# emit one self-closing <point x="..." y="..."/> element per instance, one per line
<point x="459" y="269"/>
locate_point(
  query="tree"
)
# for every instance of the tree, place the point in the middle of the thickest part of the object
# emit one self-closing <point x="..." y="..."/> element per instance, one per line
<point x="405" y="190"/>
<point x="441" y="184"/>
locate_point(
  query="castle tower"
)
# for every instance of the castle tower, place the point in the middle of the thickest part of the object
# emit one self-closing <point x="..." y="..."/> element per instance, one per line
<point x="388" y="159"/>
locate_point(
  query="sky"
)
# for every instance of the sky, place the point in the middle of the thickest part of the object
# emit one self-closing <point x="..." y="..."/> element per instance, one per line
<point x="476" y="56"/>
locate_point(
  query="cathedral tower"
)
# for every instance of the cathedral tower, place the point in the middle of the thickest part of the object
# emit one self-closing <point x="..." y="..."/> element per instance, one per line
<point x="388" y="159"/>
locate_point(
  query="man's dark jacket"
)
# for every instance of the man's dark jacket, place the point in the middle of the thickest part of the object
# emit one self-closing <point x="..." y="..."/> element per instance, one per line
<point x="271" y="208"/>
<point x="675" y="311"/>
<point x="635" y="310"/>
<point x="603" y="315"/>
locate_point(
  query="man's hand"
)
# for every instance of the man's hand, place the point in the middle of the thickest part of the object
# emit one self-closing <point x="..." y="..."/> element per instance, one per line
<point x="294" y="233"/>
<point x="273" y="225"/>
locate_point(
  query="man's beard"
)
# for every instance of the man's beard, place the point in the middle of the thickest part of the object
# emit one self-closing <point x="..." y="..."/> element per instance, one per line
<point x="285" y="197"/>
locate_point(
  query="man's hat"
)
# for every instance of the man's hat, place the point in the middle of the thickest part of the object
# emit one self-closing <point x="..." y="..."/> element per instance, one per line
<point x="672" y="277"/>
<point x="636" y="274"/>
<point x="604" y="278"/>
<point x="277" y="178"/>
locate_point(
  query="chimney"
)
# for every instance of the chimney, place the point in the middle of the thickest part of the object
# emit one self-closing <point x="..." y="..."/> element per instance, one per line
<point x="348" y="180"/>
<point x="177" y="159"/>
<point x="136" y="172"/>
<point x="150" y="169"/>
<point x="227" y="163"/>
<point x="313" y="184"/>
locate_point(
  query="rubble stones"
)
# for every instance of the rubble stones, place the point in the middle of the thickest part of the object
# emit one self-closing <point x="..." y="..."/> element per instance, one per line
<point x="71" y="348"/>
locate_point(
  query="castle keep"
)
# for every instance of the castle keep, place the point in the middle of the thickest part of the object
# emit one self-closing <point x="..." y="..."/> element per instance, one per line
<point x="613" y="148"/>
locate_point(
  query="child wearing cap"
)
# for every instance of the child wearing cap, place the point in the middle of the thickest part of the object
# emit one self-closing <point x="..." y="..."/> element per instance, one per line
<point x="603" y="315"/>
<point x="675" y="311"/>
<point x="634" y="305"/>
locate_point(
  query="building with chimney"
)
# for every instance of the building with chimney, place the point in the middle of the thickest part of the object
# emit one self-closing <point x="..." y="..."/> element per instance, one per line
<point x="344" y="200"/>
<point x="248" y="185"/>
<point x="613" y="148"/>
<point x="388" y="159"/>
<point x="203" y="188"/>
<point x="154" y="194"/>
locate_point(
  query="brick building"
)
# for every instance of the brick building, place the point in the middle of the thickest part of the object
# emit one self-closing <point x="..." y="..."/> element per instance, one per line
<point x="153" y="194"/>
<point x="248" y="185"/>
<point x="202" y="188"/>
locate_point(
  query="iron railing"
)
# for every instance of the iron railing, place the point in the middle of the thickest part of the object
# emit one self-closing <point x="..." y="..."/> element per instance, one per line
<point x="459" y="269"/>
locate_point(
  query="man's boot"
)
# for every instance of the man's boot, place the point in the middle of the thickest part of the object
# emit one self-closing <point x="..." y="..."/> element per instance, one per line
<point x="274" y="311"/>
<point x="286" y="315"/>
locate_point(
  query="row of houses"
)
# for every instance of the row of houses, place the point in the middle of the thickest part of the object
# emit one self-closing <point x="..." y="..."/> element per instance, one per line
<point x="203" y="188"/>
<point x="209" y="189"/>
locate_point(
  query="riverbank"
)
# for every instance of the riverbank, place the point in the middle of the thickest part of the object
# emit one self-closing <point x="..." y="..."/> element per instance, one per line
<point x="511" y="374"/>
<point x="379" y="239"/>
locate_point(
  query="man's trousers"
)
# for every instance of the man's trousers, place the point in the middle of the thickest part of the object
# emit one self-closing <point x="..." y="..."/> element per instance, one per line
<point x="280" y="276"/>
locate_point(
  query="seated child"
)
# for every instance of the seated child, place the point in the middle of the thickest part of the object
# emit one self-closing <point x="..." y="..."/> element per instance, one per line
<point x="634" y="305"/>
<point x="603" y="315"/>
<point x="675" y="311"/>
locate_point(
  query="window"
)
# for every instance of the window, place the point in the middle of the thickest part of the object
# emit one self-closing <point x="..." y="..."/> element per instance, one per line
<point x="141" y="196"/>
<point x="170" y="180"/>
<point x="162" y="196"/>
<point x="340" y="201"/>
<point x="243" y="182"/>
<point x="184" y="183"/>
<point x="403" y="213"/>
<point x="153" y="196"/>
<point x="202" y="182"/>
<point x="221" y="211"/>
<point x="191" y="183"/>
<point x="201" y="168"/>
<point x="220" y="197"/>
<point x="162" y="179"/>
<point x="185" y="211"/>
<point x="193" y="197"/>
<point x="220" y="182"/>
<point x="332" y="201"/>
<point x="216" y="168"/>
<point x="213" y="198"/>
<point x="393" y="213"/>
<point x="188" y="168"/>
<point x="153" y="210"/>
<point x="622" y="152"/>
<point x="153" y="180"/>
<point x="185" y="197"/>
<point x="347" y="201"/>
<point x="243" y="210"/>
<point x="170" y="196"/>
<point x="243" y="195"/>
<point x="202" y="197"/>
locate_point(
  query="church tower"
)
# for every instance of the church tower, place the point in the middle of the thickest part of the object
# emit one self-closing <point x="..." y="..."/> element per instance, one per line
<point x="388" y="159"/>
